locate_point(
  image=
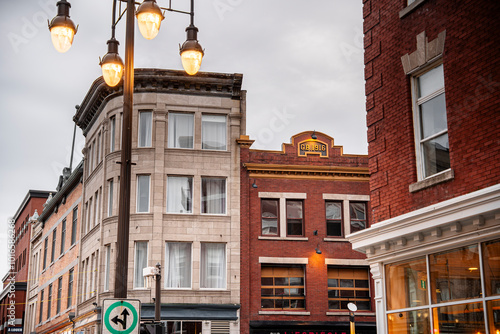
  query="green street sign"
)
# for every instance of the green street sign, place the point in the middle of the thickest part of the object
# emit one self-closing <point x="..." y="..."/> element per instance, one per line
<point x="121" y="316"/>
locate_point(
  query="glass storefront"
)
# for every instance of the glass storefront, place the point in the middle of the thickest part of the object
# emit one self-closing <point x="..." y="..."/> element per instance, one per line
<point x="454" y="291"/>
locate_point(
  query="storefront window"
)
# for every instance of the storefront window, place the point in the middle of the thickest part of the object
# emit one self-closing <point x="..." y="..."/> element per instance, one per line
<point x="348" y="285"/>
<point x="493" y="311"/>
<point x="455" y="274"/>
<point x="183" y="327"/>
<point x="414" y="322"/>
<point x="406" y="284"/>
<point x="282" y="287"/>
<point x="461" y="318"/>
<point x="491" y="256"/>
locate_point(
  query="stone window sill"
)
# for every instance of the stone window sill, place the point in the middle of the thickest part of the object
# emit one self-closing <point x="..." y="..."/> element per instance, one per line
<point x="284" y="238"/>
<point x="432" y="181"/>
<point x="407" y="10"/>
<point x="284" y="313"/>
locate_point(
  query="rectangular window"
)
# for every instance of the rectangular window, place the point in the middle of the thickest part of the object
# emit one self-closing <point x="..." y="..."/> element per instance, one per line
<point x="334" y="219"/>
<point x="110" y="198"/>
<point x="179" y="194"/>
<point x="49" y="302"/>
<point x="53" y="251"/>
<point x="59" y="295"/>
<point x="294" y="218"/>
<point x="213" y="266"/>
<point x="63" y="235"/>
<point x="270" y="216"/>
<point x="180" y="130"/>
<point x="213" y="132"/>
<point x="143" y="193"/>
<point x="431" y="126"/>
<point x="178" y="265"/>
<point x="145" y="127"/>
<point x="90" y="216"/>
<point x="70" y="288"/>
<point x="141" y="262"/>
<point x="112" y="133"/>
<point x="348" y="285"/>
<point x="45" y="248"/>
<point x="74" y="225"/>
<point x="98" y="148"/>
<point x="40" y="315"/>
<point x="96" y="208"/>
<point x="189" y="327"/>
<point x="282" y="287"/>
<point x="213" y="195"/>
<point x="408" y="286"/>
<point x="107" y="267"/>
<point x="358" y="216"/>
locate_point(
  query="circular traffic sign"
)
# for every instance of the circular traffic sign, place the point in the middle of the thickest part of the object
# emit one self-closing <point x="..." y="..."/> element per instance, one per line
<point x="122" y="318"/>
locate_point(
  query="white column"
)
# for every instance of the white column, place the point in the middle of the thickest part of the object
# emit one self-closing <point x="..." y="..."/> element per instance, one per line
<point x="377" y="269"/>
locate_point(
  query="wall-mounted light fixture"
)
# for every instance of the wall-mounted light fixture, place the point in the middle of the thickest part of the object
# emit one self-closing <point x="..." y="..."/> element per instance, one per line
<point x="318" y="251"/>
<point x="313" y="136"/>
<point x="254" y="185"/>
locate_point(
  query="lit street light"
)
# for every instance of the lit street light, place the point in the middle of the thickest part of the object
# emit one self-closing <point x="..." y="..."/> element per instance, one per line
<point x="149" y="16"/>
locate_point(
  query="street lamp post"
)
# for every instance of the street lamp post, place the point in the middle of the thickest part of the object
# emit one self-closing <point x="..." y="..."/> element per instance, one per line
<point x="150" y="16"/>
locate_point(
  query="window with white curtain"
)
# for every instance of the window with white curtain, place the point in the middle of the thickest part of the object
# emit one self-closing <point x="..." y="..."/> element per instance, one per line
<point x="180" y="130"/>
<point x="143" y="193"/>
<point x="112" y="134"/>
<point x="213" y="132"/>
<point x="145" y="127"/>
<point x="179" y="194"/>
<point x="110" y="197"/>
<point x="106" y="267"/>
<point x="213" y="195"/>
<point x="178" y="265"/>
<point x="140" y="262"/>
<point x="213" y="266"/>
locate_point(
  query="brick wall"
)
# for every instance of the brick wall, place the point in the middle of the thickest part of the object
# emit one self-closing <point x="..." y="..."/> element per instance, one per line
<point x="472" y="84"/>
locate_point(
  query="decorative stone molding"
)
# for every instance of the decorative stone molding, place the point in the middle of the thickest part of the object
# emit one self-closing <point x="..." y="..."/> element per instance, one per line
<point x="425" y="53"/>
<point x="257" y="170"/>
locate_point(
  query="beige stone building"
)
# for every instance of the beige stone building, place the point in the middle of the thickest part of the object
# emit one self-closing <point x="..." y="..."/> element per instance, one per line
<point x="185" y="198"/>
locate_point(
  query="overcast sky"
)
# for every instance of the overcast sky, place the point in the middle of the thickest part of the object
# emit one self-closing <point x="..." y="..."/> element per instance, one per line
<point x="302" y="66"/>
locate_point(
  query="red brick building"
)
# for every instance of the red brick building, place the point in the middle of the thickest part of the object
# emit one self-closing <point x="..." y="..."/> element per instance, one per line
<point x="13" y="296"/>
<point x="52" y="294"/>
<point x="298" y="272"/>
<point x="432" y="74"/>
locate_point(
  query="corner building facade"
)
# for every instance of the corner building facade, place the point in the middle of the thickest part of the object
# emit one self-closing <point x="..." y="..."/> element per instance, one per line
<point x="185" y="194"/>
<point x="298" y="270"/>
<point x="432" y="99"/>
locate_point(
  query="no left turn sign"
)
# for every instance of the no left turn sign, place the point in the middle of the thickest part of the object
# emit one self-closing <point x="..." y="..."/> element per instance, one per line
<point x="121" y="316"/>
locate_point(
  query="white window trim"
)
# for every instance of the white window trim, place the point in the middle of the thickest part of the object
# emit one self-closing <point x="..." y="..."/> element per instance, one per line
<point x="283" y="260"/>
<point x="227" y="133"/>
<point x="192" y="195"/>
<point x="194" y="129"/>
<point x="227" y="267"/>
<point x="135" y="264"/>
<point x="346" y="213"/>
<point x="283" y="197"/>
<point x="416" y="102"/>
<point x="137" y="194"/>
<point x="201" y="195"/>
<point x="139" y="128"/>
<point x="192" y="267"/>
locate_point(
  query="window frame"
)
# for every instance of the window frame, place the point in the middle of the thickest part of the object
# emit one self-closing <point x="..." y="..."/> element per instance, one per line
<point x="189" y="177"/>
<point x="63" y="236"/>
<point x="136" y="273"/>
<point x="53" y="250"/>
<point x="275" y="286"/>
<point x="417" y="122"/>
<point x="342" y="219"/>
<point x="172" y="128"/>
<point x="354" y="288"/>
<point x="112" y="134"/>
<point x="148" y="139"/>
<point x="167" y="267"/>
<point x="225" y="132"/>
<point x="225" y="278"/>
<point x="203" y="204"/>
<point x="110" y="197"/>
<point x="358" y="220"/>
<point x="74" y="225"/>
<point x="71" y="274"/>
<point x="302" y="220"/>
<point x="59" y="294"/>
<point x="277" y="200"/>
<point x="138" y="194"/>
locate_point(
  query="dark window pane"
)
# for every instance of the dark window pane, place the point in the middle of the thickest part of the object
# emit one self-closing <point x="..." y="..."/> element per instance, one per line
<point x="266" y="292"/>
<point x="363" y="305"/>
<point x="294" y="292"/>
<point x="346" y="293"/>
<point x="281" y="280"/>
<point x="362" y="293"/>
<point x="333" y="293"/>
<point x="361" y="283"/>
<point x="333" y="304"/>
<point x="269" y="208"/>
<point x="357" y="211"/>
<point x="334" y="228"/>
<point x="347" y="283"/>
<point x="282" y="303"/>
<point x="333" y="210"/>
<point x="266" y="281"/>
<point x="294" y="227"/>
<point x="333" y="282"/>
<point x="279" y="292"/>
<point x="297" y="303"/>
<point x="343" y="304"/>
<point x="267" y="303"/>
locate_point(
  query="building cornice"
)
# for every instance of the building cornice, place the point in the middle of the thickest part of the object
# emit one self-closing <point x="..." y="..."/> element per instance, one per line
<point x="333" y="173"/>
<point x="29" y="195"/>
<point x="158" y="81"/>
<point x="473" y="214"/>
<point x="73" y="181"/>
